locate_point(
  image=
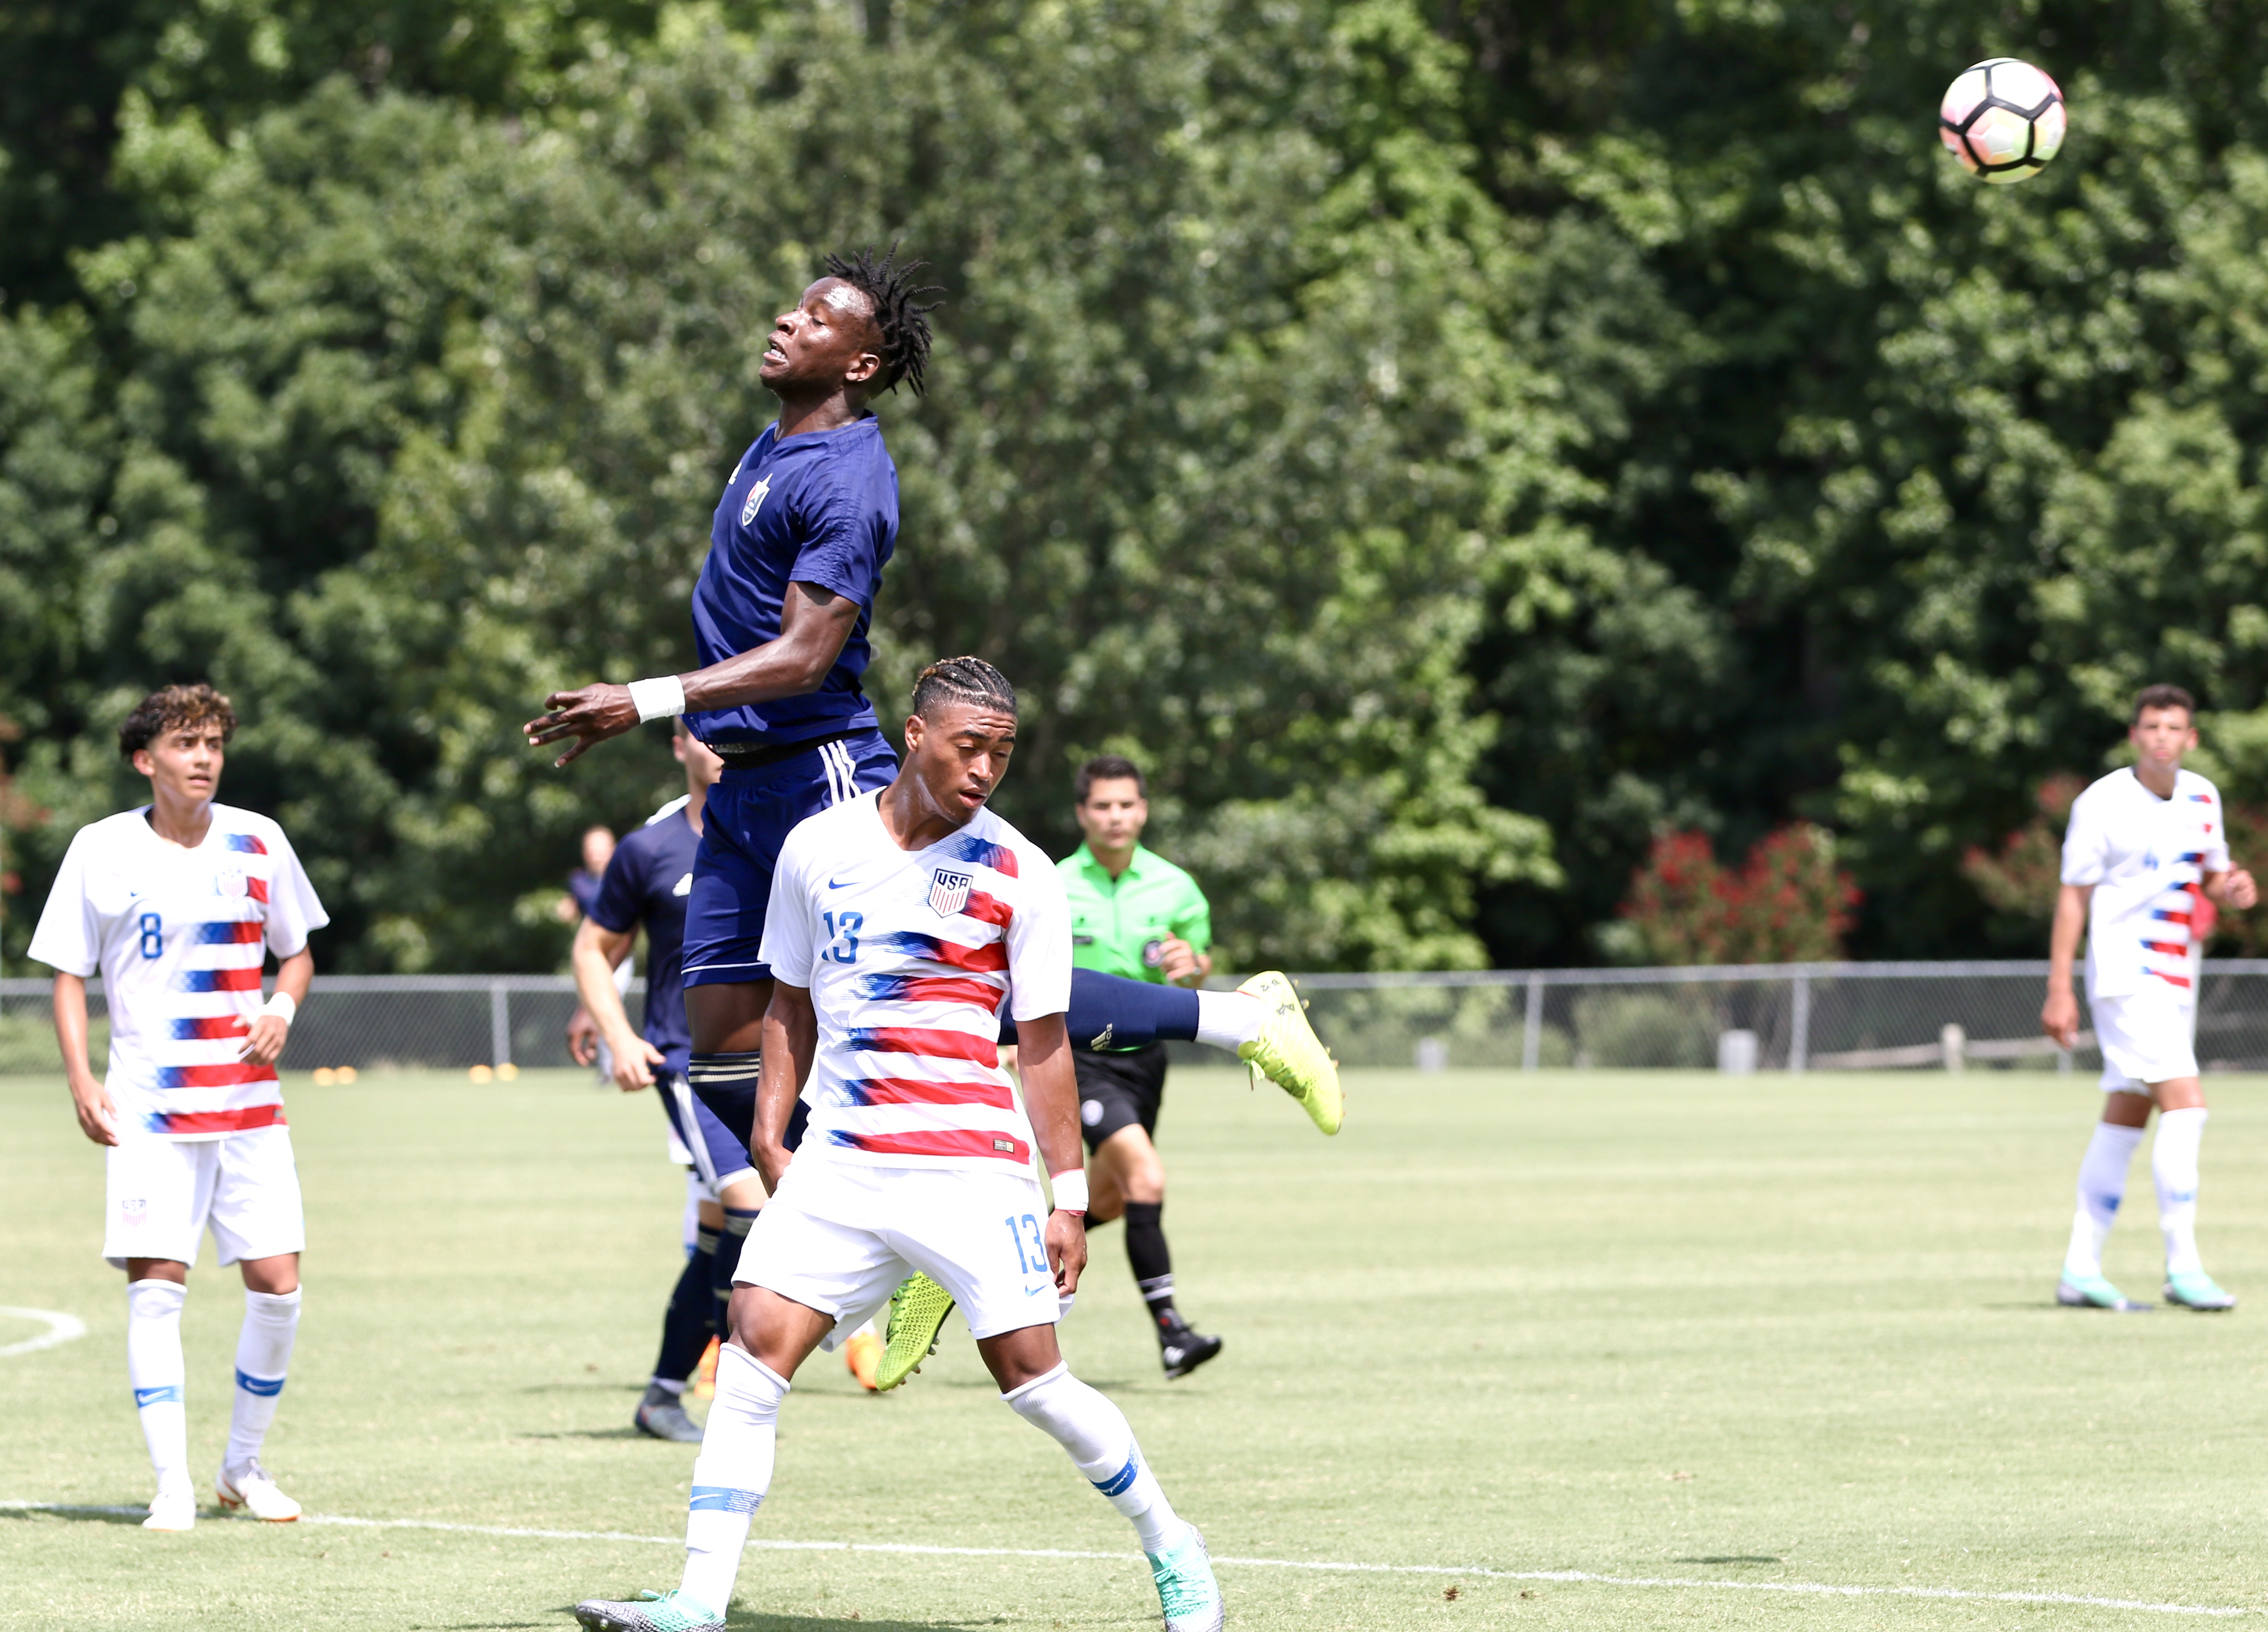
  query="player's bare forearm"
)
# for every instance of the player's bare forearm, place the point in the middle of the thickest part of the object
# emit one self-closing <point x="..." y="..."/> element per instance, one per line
<point x="265" y="1037"/>
<point x="1052" y="1100"/>
<point x="2059" y="1014"/>
<point x="814" y="624"/>
<point x="791" y="1041"/>
<point x="98" y="1117"/>
<point x="598" y="952"/>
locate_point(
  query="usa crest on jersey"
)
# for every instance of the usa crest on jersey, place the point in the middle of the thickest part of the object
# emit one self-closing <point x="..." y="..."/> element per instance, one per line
<point x="948" y="891"/>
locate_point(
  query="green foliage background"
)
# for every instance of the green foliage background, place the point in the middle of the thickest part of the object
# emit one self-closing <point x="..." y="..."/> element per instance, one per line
<point x="1449" y="442"/>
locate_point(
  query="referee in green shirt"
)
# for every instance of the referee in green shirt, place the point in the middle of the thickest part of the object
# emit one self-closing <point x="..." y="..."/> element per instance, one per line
<point x="1132" y="913"/>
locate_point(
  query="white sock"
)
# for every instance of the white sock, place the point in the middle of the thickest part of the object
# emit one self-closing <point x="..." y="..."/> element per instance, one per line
<point x="263" y="1354"/>
<point x="731" y="1474"/>
<point x="1228" y="1019"/>
<point x="153" y="1365"/>
<point x="1096" y="1434"/>
<point x="2101" y="1186"/>
<point x="2173" y="1165"/>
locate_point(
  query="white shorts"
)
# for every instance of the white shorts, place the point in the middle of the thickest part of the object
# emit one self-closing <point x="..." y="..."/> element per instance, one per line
<point x="160" y="1194"/>
<point x="840" y="1236"/>
<point x="2147" y="1036"/>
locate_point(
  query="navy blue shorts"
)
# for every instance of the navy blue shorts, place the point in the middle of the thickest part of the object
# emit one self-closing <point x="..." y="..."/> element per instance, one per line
<point x="720" y="1155"/>
<point x="748" y="818"/>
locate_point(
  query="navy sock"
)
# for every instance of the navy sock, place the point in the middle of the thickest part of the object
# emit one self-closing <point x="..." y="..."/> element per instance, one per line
<point x="727" y="1259"/>
<point x="685" y="1325"/>
<point x="1109" y="1011"/>
<point x="1152" y="1263"/>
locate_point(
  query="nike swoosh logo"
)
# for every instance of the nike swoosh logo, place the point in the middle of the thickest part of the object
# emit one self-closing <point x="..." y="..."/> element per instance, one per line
<point x="1034" y="1291"/>
<point x="839" y="884"/>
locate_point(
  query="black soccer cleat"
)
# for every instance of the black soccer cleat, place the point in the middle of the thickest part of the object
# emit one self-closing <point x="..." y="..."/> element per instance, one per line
<point x="1184" y="1350"/>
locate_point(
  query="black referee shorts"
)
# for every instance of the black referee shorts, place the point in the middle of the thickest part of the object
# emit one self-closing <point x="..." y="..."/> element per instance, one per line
<point x="1116" y="1091"/>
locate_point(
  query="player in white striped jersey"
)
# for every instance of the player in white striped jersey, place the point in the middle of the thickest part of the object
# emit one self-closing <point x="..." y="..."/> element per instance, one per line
<point x="177" y="905"/>
<point x="2145" y="865"/>
<point x="902" y="924"/>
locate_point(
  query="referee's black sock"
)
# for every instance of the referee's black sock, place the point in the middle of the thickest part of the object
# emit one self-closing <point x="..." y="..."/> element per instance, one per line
<point x="1152" y="1263"/>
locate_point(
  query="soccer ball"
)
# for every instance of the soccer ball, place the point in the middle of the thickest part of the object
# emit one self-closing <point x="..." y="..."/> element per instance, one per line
<point x="2002" y="119"/>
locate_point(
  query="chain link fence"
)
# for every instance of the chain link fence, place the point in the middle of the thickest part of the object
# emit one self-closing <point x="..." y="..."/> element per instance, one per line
<point x="1823" y="1017"/>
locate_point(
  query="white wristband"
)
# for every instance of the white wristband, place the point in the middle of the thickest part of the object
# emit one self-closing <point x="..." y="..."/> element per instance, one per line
<point x="1071" y="1190"/>
<point x="661" y="698"/>
<point x="281" y="1006"/>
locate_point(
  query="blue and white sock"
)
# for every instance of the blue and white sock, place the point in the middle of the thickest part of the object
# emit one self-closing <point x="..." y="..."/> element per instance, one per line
<point x="263" y="1355"/>
<point x="1101" y="1445"/>
<point x="731" y="1473"/>
<point x="153" y="1365"/>
<point x="2102" y="1187"/>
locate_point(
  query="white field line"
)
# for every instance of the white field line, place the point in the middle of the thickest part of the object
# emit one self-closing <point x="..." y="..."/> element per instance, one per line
<point x="1816" y="1589"/>
<point x="62" y="1329"/>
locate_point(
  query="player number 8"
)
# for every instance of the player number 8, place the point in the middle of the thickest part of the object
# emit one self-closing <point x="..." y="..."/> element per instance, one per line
<point x="153" y="936"/>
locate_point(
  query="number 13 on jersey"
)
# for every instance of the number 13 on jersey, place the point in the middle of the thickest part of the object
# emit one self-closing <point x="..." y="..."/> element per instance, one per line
<point x="843" y="935"/>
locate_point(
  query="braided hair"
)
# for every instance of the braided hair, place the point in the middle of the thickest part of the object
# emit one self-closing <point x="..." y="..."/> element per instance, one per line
<point x="890" y="289"/>
<point x="969" y="680"/>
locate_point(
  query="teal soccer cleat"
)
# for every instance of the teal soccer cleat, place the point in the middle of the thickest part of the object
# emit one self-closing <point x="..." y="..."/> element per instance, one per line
<point x="1187" y="1590"/>
<point x="2094" y="1292"/>
<point x="654" y="1612"/>
<point x="2194" y="1289"/>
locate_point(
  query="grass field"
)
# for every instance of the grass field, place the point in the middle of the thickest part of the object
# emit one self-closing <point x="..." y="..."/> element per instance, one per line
<point x="1642" y="1326"/>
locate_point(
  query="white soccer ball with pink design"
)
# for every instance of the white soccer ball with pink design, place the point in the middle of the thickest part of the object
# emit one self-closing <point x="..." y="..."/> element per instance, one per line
<point x="2002" y="119"/>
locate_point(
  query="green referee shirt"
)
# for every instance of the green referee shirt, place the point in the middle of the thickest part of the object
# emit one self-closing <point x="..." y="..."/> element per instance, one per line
<point x="1116" y="925"/>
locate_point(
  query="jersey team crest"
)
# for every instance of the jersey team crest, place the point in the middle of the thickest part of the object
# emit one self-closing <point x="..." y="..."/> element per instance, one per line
<point x="948" y="891"/>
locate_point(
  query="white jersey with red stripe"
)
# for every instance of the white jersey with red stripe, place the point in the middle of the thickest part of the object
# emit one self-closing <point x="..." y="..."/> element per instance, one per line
<point x="909" y="957"/>
<point x="2146" y="858"/>
<point x="178" y="935"/>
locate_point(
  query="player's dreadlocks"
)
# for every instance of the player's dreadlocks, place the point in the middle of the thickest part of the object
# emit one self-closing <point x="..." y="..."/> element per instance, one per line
<point x="890" y="289"/>
<point x="962" y="680"/>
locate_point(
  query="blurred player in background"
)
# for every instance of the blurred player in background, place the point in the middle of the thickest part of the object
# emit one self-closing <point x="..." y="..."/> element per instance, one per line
<point x="645" y="886"/>
<point x="1135" y="913"/>
<point x="2145" y="864"/>
<point x="904" y="924"/>
<point x="586" y="1044"/>
<point x="176" y="904"/>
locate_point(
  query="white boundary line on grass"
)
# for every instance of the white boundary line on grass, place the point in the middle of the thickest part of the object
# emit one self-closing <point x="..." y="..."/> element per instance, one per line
<point x="1817" y="1589"/>
<point x="62" y="1329"/>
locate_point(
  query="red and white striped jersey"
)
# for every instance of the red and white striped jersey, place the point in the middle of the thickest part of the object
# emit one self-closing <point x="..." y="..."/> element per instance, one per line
<point x="909" y="957"/>
<point x="2147" y="858"/>
<point x="178" y="935"/>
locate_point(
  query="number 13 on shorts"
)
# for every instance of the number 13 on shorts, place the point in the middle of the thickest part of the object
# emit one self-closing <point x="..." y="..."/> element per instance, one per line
<point x="1037" y="1263"/>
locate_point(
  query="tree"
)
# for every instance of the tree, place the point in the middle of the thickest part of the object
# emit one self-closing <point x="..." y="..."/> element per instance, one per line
<point x="1789" y="903"/>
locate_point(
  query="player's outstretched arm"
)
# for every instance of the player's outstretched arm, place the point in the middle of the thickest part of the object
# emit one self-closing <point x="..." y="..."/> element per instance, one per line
<point x="791" y="1041"/>
<point x="1051" y="1099"/>
<point x="265" y="1037"/>
<point x="814" y="624"/>
<point x="2059" y="1015"/>
<point x="98" y="1117"/>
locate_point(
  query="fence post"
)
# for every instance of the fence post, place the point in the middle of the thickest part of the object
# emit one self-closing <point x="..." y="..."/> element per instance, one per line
<point x="499" y="1024"/>
<point x="1799" y="1026"/>
<point x="1531" y="1030"/>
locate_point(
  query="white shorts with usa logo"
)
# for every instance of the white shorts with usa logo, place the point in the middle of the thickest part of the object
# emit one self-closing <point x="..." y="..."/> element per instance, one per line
<point x="839" y="1236"/>
<point x="162" y="1195"/>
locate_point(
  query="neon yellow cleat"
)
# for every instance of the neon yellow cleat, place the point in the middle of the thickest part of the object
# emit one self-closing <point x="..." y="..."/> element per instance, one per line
<point x="917" y="1311"/>
<point x="1288" y="1053"/>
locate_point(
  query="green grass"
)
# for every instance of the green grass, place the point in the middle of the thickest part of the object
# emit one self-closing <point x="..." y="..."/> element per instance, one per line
<point x="1641" y="1326"/>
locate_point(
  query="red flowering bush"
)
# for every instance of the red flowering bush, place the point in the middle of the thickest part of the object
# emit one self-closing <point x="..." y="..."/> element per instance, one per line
<point x="1788" y="903"/>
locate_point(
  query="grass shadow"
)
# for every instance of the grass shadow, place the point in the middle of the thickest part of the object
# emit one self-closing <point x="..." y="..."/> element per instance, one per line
<point x="1729" y="1558"/>
<point x="87" y="1515"/>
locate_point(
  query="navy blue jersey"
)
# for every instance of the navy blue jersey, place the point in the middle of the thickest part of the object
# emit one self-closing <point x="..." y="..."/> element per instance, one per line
<point x="647" y="883"/>
<point x="820" y="508"/>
